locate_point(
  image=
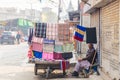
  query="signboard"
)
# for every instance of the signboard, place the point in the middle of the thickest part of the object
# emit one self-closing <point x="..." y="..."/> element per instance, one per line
<point x="23" y="22"/>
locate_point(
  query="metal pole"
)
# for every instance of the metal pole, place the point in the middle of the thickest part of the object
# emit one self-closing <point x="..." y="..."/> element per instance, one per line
<point x="31" y="11"/>
<point x="80" y="13"/>
<point x="81" y="23"/>
<point x="59" y="11"/>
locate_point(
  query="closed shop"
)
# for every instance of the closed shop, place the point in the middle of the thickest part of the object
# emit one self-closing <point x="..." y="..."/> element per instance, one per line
<point x="110" y="38"/>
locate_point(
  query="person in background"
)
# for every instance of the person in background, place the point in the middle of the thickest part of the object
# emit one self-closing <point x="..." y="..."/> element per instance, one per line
<point x="84" y="62"/>
<point x="18" y="37"/>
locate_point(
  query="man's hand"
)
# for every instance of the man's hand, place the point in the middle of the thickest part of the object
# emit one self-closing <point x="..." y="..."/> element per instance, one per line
<point x="79" y="59"/>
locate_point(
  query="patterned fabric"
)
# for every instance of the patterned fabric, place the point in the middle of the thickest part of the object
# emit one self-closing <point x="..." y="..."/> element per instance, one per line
<point x="52" y="31"/>
<point x="48" y="48"/>
<point x="52" y="56"/>
<point x="46" y="41"/>
<point x="64" y="32"/>
<point x="37" y="47"/>
<point x="37" y="40"/>
<point x="40" y="30"/>
<point x="68" y="47"/>
<point x="58" y="48"/>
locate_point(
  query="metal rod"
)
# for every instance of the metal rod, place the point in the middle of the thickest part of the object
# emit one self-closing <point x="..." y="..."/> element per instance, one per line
<point x="59" y="10"/>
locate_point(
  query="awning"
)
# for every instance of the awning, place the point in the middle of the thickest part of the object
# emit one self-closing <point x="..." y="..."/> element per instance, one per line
<point x="99" y="5"/>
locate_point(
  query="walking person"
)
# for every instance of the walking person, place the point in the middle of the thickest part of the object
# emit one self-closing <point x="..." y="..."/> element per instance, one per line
<point x="18" y="36"/>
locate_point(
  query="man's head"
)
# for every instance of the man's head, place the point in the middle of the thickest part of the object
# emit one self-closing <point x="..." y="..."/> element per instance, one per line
<point x="90" y="45"/>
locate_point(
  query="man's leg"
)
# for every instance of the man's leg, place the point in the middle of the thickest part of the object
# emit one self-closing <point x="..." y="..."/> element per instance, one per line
<point x="76" y="69"/>
<point x="77" y="66"/>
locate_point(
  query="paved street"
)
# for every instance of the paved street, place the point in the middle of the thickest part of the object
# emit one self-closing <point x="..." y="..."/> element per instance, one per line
<point x="14" y="66"/>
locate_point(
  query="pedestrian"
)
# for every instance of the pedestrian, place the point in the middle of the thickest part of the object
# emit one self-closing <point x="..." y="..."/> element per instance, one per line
<point x="18" y="36"/>
<point x="84" y="62"/>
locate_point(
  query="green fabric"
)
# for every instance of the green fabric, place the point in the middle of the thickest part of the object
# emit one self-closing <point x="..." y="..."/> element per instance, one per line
<point x="68" y="47"/>
<point x="25" y="23"/>
<point x="58" y="48"/>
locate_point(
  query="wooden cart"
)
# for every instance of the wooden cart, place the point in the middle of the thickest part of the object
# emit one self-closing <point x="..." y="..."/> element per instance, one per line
<point x="48" y="66"/>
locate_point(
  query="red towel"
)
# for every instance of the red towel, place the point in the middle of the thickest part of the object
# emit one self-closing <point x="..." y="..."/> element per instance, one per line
<point x="63" y="65"/>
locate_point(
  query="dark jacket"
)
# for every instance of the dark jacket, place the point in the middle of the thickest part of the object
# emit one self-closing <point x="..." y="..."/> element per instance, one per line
<point x="18" y="36"/>
<point x="90" y="55"/>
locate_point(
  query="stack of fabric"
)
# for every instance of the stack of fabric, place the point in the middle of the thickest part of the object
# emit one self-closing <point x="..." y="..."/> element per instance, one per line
<point x="37" y="40"/>
<point x="65" y="49"/>
<point x="37" y="49"/>
<point x="48" y="49"/>
<point x="43" y="41"/>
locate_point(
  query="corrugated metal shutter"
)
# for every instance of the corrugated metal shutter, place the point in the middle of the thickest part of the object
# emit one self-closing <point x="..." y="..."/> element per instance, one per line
<point x="110" y="38"/>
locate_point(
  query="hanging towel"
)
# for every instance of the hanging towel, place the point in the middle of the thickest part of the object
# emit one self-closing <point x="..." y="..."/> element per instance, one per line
<point x="40" y="30"/>
<point x="67" y="55"/>
<point x="37" y="47"/>
<point x="64" y="32"/>
<point x="52" y="30"/>
<point x="30" y="36"/>
<point x="63" y="65"/>
<point x="91" y="35"/>
<point x="37" y="40"/>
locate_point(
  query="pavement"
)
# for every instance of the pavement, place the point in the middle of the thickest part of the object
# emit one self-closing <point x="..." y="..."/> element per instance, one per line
<point x="14" y="66"/>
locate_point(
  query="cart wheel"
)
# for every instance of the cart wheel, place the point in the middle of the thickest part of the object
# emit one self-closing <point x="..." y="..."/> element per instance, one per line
<point x="35" y="69"/>
<point x="47" y="72"/>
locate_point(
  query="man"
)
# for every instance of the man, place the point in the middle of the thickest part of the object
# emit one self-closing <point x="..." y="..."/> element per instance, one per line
<point x="18" y="38"/>
<point x="85" y="62"/>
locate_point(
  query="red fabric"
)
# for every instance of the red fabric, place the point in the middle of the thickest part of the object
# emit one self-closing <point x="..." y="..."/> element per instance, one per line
<point x="30" y="53"/>
<point x="52" y="56"/>
<point x="37" y="40"/>
<point x="63" y="65"/>
<point x="77" y="38"/>
<point x="48" y="56"/>
<point x="37" y="47"/>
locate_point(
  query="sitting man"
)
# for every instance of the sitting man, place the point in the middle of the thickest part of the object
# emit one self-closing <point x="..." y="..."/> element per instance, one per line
<point x="85" y="62"/>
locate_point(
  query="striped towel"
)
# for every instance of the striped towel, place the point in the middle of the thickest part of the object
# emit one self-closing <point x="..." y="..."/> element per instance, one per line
<point x="79" y="33"/>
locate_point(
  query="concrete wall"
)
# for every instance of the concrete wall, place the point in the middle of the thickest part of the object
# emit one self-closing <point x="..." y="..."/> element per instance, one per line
<point x="86" y="23"/>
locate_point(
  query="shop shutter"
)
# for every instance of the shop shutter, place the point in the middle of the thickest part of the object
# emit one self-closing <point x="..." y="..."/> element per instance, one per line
<point x="110" y="38"/>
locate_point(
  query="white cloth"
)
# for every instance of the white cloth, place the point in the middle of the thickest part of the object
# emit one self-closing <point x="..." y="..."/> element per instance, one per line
<point x="82" y="64"/>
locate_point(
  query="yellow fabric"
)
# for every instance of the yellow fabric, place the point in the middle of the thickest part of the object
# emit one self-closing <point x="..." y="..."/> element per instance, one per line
<point x="80" y="31"/>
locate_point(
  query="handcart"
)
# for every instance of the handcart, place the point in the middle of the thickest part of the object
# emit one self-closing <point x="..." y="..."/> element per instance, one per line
<point x="48" y="66"/>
